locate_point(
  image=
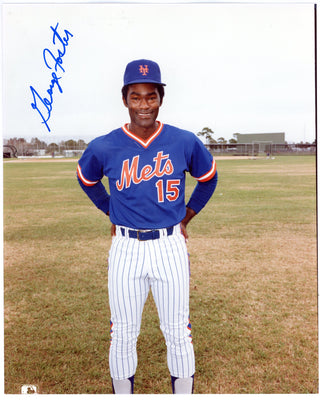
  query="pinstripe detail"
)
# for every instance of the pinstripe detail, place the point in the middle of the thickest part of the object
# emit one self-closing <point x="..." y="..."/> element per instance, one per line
<point x="134" y="268"/>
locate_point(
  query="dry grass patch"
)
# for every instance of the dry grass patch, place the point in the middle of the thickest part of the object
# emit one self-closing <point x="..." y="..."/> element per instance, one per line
<point x="254" y="305"/>
<point x="253" y="292"/>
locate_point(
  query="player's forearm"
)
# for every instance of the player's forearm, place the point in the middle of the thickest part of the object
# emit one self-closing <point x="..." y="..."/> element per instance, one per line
<point x="98" y="195"/>
<point x="202" y="194"/>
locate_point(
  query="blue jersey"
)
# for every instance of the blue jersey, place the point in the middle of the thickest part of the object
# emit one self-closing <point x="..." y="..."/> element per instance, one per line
<point x="146" y="178"/>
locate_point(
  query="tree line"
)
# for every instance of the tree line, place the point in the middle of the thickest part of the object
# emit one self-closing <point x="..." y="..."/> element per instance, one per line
<point x="35" y="145"/>
<point x="207" y="134"/>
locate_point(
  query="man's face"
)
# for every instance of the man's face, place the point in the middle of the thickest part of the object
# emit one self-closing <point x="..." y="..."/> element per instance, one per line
<point x="143" y="102"/>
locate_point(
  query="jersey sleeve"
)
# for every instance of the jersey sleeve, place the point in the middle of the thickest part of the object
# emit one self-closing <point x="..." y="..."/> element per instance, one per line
<point x="202" y="193"/>
<point x="202" y="164"/>
<point x="90" y="173"/>
<point x="90" y="168"/>
<point x="97" y="194"/>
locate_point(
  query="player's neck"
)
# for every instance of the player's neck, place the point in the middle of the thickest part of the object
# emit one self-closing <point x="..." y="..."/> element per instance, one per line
<point x="141" y="131"/>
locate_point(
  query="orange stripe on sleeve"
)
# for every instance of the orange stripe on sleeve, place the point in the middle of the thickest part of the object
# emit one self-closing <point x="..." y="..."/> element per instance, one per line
<point x="209" y="175"/>
<point x="83" y="179"/>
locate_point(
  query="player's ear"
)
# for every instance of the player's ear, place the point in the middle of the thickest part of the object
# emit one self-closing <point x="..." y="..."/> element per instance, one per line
<point x="160" y="91"/>
<point x="124" y="101"/>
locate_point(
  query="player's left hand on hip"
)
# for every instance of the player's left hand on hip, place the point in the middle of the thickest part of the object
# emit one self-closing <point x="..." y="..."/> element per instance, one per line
<point x="184" y="231"/>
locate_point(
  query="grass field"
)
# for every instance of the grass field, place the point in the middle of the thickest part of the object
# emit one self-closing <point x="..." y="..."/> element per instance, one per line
<point x="253" y="300"/>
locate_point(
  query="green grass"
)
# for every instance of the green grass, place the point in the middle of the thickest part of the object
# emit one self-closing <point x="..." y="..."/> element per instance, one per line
<point x="253" y="289"/>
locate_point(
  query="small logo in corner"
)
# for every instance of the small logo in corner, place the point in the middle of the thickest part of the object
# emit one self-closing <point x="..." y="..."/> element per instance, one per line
<point x="29" y="389"/>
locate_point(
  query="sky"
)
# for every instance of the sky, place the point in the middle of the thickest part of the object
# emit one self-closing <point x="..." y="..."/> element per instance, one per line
<point x="233" y="67"/>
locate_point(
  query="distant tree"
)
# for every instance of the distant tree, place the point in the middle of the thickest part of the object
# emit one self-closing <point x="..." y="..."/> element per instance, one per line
<point x="12" y="141"/>
<point x="38" y="144"/>
<point x="207" y="133"/>
<point x="20" y="144"/>
<point x="235" y="136"/>
<point x="81" y="144"/>
<point x="222" y="140"/>
<point x="52" y="147"/>
<point x="233" y="141"/>
<point x="71" y="144"/>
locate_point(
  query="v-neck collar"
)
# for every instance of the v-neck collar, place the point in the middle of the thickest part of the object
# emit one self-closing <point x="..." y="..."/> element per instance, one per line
<point x="144" y="143"/>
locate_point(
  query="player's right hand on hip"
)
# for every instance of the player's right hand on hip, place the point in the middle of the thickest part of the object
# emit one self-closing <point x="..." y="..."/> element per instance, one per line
<point x="113" y="230"/>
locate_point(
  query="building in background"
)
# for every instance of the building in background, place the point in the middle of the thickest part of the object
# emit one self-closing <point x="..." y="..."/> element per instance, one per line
<point x="276" y="137"/>
<point x="260" y="143"/>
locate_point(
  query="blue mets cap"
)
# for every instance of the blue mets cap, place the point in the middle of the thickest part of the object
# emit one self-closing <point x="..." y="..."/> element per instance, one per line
<point x="142" y="71"/>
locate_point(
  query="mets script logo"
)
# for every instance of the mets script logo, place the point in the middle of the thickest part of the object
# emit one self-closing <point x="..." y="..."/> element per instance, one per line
<point x="143" y="69"/>
<point x="129" y="173"/>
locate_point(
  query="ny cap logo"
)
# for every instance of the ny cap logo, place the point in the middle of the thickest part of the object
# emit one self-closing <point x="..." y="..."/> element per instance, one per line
<point x="144" y="70"/>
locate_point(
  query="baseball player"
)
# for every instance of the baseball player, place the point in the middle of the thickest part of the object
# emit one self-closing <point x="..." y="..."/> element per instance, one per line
<point x="146" y="163"/>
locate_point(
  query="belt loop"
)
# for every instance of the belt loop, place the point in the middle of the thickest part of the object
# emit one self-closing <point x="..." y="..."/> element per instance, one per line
<point x="170" y="230"/>
<point x="123" y="231"/>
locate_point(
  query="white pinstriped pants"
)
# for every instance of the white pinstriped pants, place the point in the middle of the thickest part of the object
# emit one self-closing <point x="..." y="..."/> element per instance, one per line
<point x="135" y="267"/>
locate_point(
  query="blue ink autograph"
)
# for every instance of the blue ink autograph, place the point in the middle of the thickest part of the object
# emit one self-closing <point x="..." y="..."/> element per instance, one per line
<point x="44" y="104"/>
